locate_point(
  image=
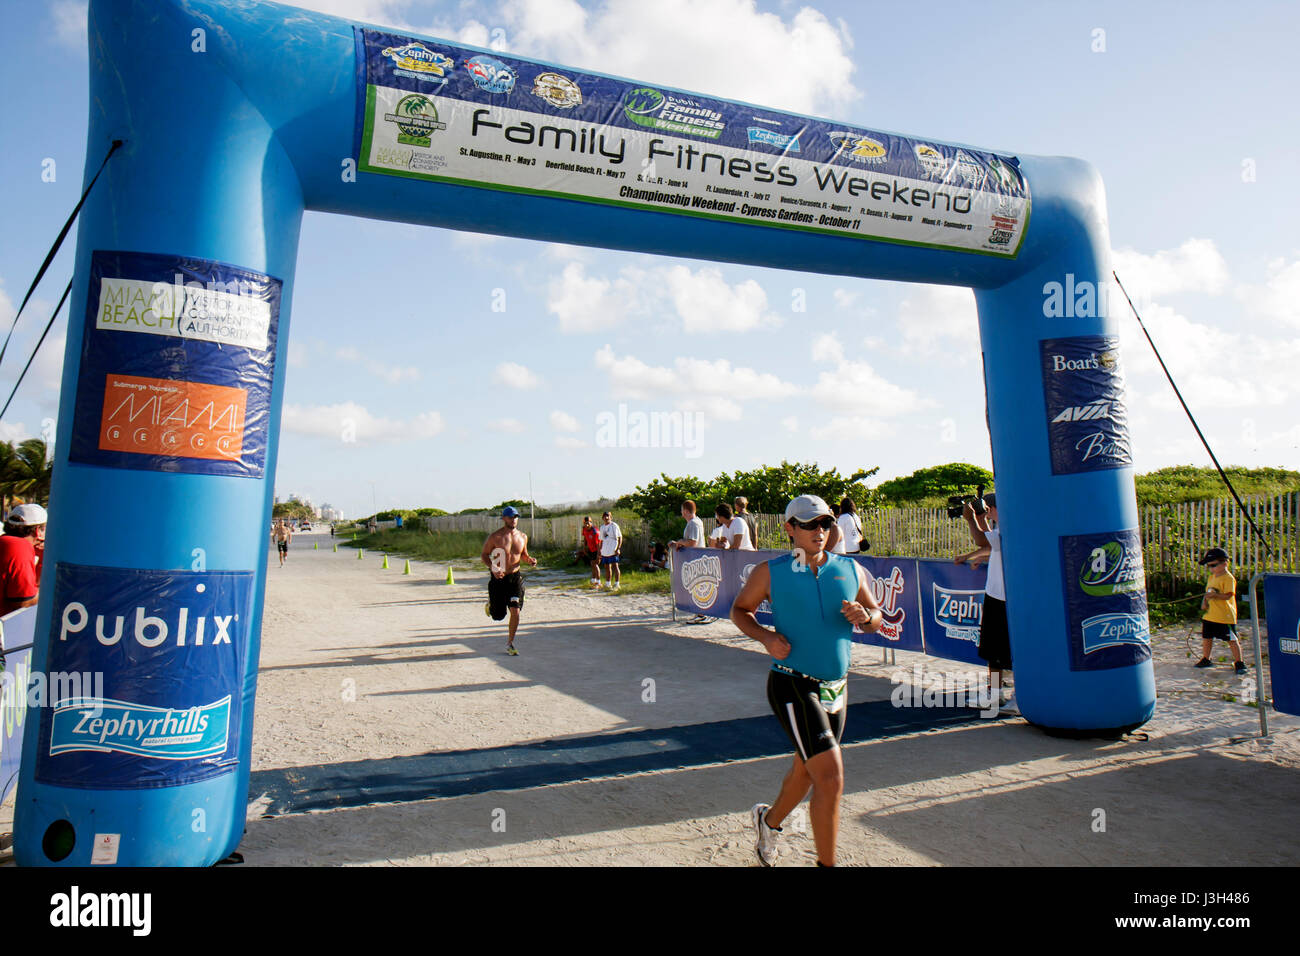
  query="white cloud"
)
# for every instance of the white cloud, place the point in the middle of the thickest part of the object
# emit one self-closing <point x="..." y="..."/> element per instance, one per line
<point x="568" y="441"/>
<point x="509" y="426"/>
<point x="514" y="375"/>
<point x="706" y="303"/>
<point x="69" y="18"/>
<point x="590" y="304"/>
<point x="827" y="348"/>
<point x="348" y="422"/>
<point x="14" y="432"/>
<point x="935" y="317"/>
<point x="1279" y="297"/>
<point x="1195" y="266"/>
<point x="720" y="47"/>
<point x="714" y="388"/>
<point x="393" y="374"/>
<point x="857" y="387"/>
<point x="842" y="428"/>
<point x="564" y="422"/>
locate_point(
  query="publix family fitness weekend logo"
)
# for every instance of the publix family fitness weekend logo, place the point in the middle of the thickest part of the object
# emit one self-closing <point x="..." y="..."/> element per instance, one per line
<point x="1112" y="569"/>
<point x="646" y="106"/>
<point x="1106" y="600"/>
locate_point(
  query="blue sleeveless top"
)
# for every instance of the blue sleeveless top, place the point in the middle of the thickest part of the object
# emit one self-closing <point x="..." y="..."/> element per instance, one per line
<point x="806" y="609"/>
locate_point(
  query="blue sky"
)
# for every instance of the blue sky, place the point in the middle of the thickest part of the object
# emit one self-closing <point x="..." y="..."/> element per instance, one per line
<point x="1187" y="111"/>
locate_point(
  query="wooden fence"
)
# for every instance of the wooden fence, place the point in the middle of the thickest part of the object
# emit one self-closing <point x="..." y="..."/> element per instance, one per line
<point x="1173" y="536"/>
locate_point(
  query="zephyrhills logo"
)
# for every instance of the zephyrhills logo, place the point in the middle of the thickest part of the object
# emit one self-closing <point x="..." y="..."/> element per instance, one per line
<point x="702" y="578"/>
<point x="1112" y="569"/>
<point x="417" y="60"/>
<point x="1109" y="630"/>
<point x="959" y="613"/>
<point x="149" y="630"/>
<point x="164" y="733"/>
<point x="1290" y="645"/>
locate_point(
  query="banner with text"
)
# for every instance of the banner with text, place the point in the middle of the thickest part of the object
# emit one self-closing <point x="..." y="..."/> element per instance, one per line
<point x="17" y="629"/>
<point x="952" y="601"/>
<point x="436" y="111"/>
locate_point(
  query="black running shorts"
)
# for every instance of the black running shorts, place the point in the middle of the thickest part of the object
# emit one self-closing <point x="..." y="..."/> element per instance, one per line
<point x="505" y="593"/>
<point x="811" y="711"/>
<point x="1210" y="630"/>
<point x="995" y="638"/>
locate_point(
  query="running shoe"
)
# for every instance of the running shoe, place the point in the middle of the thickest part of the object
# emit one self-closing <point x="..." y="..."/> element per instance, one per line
<point x="510" y="649"/>
<point x="1010" y="708"/>
<point x="1240" y="668"/>
<point x="765" y="836"/>
<point x="1204" y="662"/>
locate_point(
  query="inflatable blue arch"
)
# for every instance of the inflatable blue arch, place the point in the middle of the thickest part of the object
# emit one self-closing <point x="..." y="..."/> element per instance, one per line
<point x="174" y="371"/>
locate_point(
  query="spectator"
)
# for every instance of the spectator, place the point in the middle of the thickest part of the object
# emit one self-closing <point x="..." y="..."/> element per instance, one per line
<point x="737" y="532"/>
<point x="995" y="638"/>
<point x="692" y="537"/>
<point x="742" y="512"/>
<point x="718" y="536"/>
<point x="658" y="558"/>
<point x="21" y="550"/>
<point x="850" y="529"/>
<point x="590" y="549"/>
<point x="1220" y="607"/>
<point x="611" y="547"/>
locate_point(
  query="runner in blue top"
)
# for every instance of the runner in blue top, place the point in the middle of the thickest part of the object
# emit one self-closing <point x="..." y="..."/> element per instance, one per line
<point x="817" y="597"/>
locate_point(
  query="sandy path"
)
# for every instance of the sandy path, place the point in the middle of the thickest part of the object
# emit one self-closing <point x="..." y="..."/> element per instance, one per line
<point x="362" y="664"/>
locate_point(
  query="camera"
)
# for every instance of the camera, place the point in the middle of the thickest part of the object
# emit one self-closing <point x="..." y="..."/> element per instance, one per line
<point x="957" y="503"/>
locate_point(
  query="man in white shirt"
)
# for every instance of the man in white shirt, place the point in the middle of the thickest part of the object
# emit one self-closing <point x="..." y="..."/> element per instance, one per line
<point x="737" y="530"/>
<point x="995" y="638"/>
<point x="611" y="546"/>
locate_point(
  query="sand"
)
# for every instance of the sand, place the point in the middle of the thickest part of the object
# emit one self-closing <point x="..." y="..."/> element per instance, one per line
<point x="361" y="664"/>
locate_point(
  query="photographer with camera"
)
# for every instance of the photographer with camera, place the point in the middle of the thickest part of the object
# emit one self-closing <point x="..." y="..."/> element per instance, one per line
<point x="981" y="514"/>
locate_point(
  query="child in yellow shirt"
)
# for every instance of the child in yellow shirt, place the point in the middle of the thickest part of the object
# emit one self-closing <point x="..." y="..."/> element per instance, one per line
<point x="1220" y="607"/>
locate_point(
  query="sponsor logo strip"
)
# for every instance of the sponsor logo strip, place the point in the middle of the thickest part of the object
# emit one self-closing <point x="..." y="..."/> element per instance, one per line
<point x="158" y="416"/>
<point x="115" y="726"/>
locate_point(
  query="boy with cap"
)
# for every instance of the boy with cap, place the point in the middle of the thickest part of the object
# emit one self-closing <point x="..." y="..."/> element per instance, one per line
<point x="817" y="598"/>
<point x="1220" y="607"/>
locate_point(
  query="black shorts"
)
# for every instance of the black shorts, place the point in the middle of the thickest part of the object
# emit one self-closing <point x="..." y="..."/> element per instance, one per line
<point x="505" y="593"/>
<point x="283" y="546"/>
<point x="1210" y="630"/>
<point x="995" y="639"/>
<point x="811" y="711"/>
<point x="590" y="555"/>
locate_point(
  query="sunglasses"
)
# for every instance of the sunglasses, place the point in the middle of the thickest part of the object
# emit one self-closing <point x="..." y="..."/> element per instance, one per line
<point x="825" y="522"/>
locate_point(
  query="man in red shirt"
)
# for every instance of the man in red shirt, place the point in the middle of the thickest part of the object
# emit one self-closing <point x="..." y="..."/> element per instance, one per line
<point x="21" y="548"/>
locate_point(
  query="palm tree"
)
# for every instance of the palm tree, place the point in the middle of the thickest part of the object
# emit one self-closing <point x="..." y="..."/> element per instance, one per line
<point x="29" y="471"/>
<point x="7" y="459"/>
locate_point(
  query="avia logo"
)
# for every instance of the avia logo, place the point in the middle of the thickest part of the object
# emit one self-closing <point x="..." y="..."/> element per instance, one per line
<point x="148" y="630"/>
<point x="702" y="578"/>
<point x="1112" y="569"/>
<point x="1084" y="413"/>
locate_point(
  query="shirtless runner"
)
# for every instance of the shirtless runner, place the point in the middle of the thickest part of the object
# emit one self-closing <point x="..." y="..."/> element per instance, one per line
<point x="281" y="534"/>
<point x="502" y="552"/>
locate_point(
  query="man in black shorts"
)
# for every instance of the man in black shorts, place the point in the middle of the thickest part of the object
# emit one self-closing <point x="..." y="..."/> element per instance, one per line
<point x="502" y="552"/>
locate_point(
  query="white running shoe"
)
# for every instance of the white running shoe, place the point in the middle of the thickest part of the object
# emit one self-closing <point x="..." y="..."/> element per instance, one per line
<point x="765" y="843"/>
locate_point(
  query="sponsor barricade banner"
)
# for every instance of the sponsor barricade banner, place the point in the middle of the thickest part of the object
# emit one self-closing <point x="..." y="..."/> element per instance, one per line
<point x="16" y="630"/>
<point x="707" y="581"/>
<point x="952" y="608"/>
<point x="1282" y="604"/>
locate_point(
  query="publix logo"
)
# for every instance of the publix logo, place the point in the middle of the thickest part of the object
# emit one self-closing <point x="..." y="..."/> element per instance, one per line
<point x="1112" y="569"/>
<point x="702" y="578"/>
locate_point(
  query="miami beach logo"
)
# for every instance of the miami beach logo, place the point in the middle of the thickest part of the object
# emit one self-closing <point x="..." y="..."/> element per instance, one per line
<point x="702" y="578"/>
<point x="416" y="118"/>
<point x="1112" y="569"/>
